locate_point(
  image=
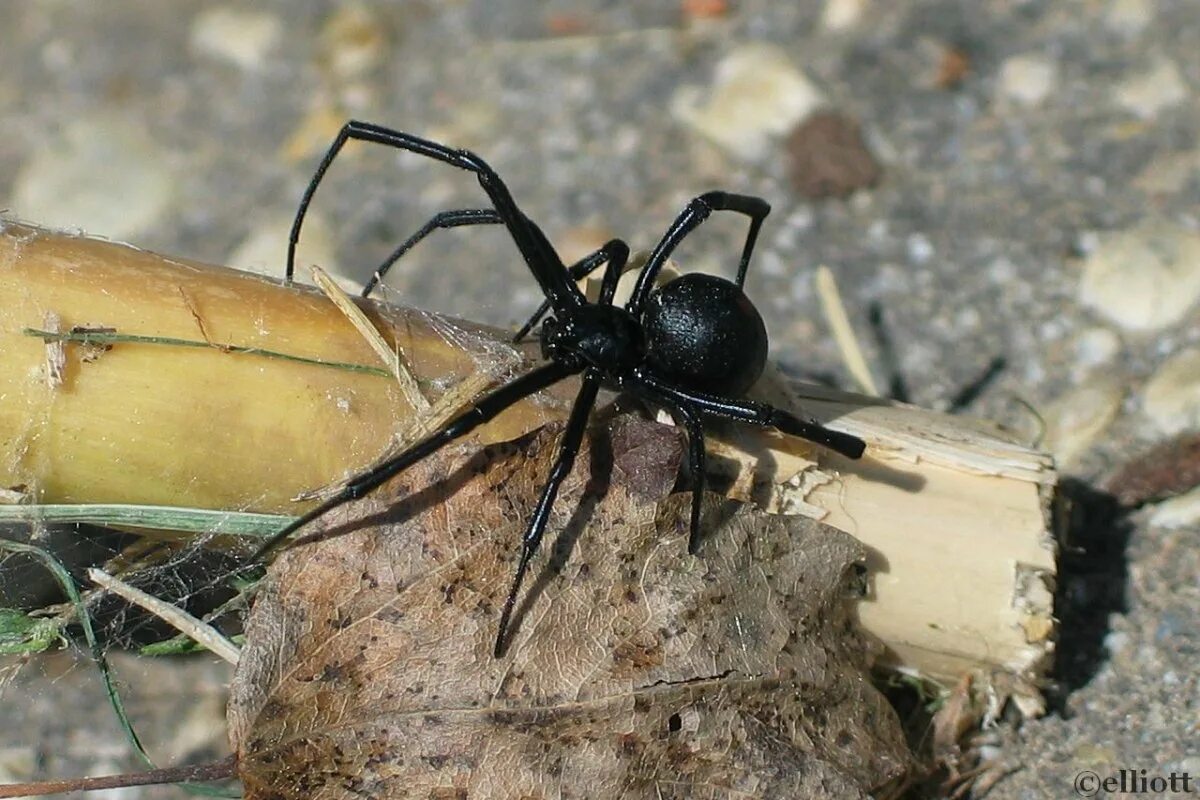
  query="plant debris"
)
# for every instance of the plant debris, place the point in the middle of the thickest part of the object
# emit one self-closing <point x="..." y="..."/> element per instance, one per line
<point x="1165" y="470"/>
<point x="828" y="157"/>
<point x="634" y="670"/>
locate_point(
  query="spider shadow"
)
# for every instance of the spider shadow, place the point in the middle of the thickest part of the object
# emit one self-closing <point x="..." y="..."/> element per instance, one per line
<point x="600" y="466"/>
<point x="602" y="461"/>
<point x="1093" y="582"/>
<point x="404" y="505"/>
<point x="402" y="509"/>
<point x="898" y="388"/>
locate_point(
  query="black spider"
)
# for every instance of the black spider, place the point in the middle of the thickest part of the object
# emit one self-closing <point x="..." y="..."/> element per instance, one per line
<point x="693" y="346"/>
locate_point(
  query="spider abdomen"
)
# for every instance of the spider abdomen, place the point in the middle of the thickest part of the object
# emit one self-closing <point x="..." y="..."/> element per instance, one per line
<point x="704" y="333"/>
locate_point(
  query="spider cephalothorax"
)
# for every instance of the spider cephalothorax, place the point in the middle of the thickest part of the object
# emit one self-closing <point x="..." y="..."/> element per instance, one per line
<point x="604" y="338"/>
<point x="693" y="346"/>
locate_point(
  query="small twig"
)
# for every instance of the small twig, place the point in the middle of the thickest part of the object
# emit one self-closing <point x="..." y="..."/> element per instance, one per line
<point x="99" y="337"/>
<point x="393" y="358"/>
<point x="220" y="770"/>
<point x="177" y="618"/>
<point x="843" y="334"/>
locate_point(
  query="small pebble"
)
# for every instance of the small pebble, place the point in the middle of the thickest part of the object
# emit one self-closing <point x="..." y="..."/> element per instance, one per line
<point x="353" y="41"/>
<point x="1152" y="91"/>
<point x="1116" y="641"/>
<point x="1165" y="470"/>
<point x="470" y="124"/>
<point x="1076" y="420"/>
<point x="581" y="240"/>
<point x="1144" y="278"/>
<point x="919" y="248"/>
<point x="1173" y="625"/>
<point x="828" y="158"/>
<point x="1129" y="17"/>
<point x="1177" y="512"/>
<point x="954" y="65"/>
<point x="840" y="15"/>
<point x="1027" y="80"/>
<point x="104" y="176"/>
<point x="313" y="134"/>
<point x="1171" y="399"/>
<point x="264" y="250"/>
<point x="1168" y="173"/>
<point x="238" y="36"/>
<point x="704" y="9"/>
<point x="1093" y="755"/>
<point x="1096" y="346"/>
<point x="757" y="95"/>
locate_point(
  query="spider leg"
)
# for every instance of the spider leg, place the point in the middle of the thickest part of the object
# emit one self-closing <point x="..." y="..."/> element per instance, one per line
<point x="484" y="410"/>
<point x="567" y="450"/>
<point x="694" y="425"/>
<point x="688" y="220"/>
<point x="610" y="252"/>
<point x="756" y="413"/>
<point x="617" y="254"/>
<point x="445" y="219"/>
<point x="539" y="255"/>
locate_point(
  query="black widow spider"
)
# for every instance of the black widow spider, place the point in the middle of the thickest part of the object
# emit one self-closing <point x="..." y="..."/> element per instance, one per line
<point x="692" y="346"/>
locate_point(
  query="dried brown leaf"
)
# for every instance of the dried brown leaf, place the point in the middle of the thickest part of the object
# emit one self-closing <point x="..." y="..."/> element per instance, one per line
<point x="635" y="670"/>
<point x="828" y="157"/>
<point x="1168" y="469"/>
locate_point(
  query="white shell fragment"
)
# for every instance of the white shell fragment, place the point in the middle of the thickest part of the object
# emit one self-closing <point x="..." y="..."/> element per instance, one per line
<point x="1096" y="346"/>
<point x="1177" y="512"/>
<point x="237" y="36"/>
<point x="353" y="41"/>
<point x="1172" y="396"/>
<point x="1144" y="278"/>
<point x="1168" y="173"/>
<point x="1129" y="17"/>
<point x="104" y="175"/>
<point x="1027" y="80"/>
<point x="264" y="250"/>
<point x="1076" y="420"/>
<point x="840" y="15"/>
<point x="758" y="94"/>
<point x="1152" y="91"/>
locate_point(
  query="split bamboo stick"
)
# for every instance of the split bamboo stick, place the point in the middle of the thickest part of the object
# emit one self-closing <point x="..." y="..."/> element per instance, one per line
<point x="130" y="377"/>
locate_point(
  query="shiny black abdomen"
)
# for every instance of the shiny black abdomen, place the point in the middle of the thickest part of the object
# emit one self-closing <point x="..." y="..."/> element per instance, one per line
<point x="703" y="333"/>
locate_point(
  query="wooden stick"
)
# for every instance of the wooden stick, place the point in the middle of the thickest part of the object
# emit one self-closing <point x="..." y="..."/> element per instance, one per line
<point x="955" y="513"/>
<point x="216" y="771"/>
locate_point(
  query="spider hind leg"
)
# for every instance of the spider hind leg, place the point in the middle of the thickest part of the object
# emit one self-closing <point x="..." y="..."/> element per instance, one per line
<point x="568" y="449"/>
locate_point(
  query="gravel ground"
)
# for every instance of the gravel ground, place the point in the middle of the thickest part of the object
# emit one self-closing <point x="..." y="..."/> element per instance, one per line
<point x="1036" y="202"/>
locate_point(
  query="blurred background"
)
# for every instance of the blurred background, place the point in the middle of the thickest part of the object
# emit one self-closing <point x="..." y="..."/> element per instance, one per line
<point x="1001" y="187"/>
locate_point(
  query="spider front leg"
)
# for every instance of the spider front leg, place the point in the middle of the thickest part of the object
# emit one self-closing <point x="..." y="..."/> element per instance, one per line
<point x="756" y="413"/>
<point x="614" y="252"/>
<point x="567" y="450"/>
<point x="695" y="213"/>
<point x="539" y="255"/>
